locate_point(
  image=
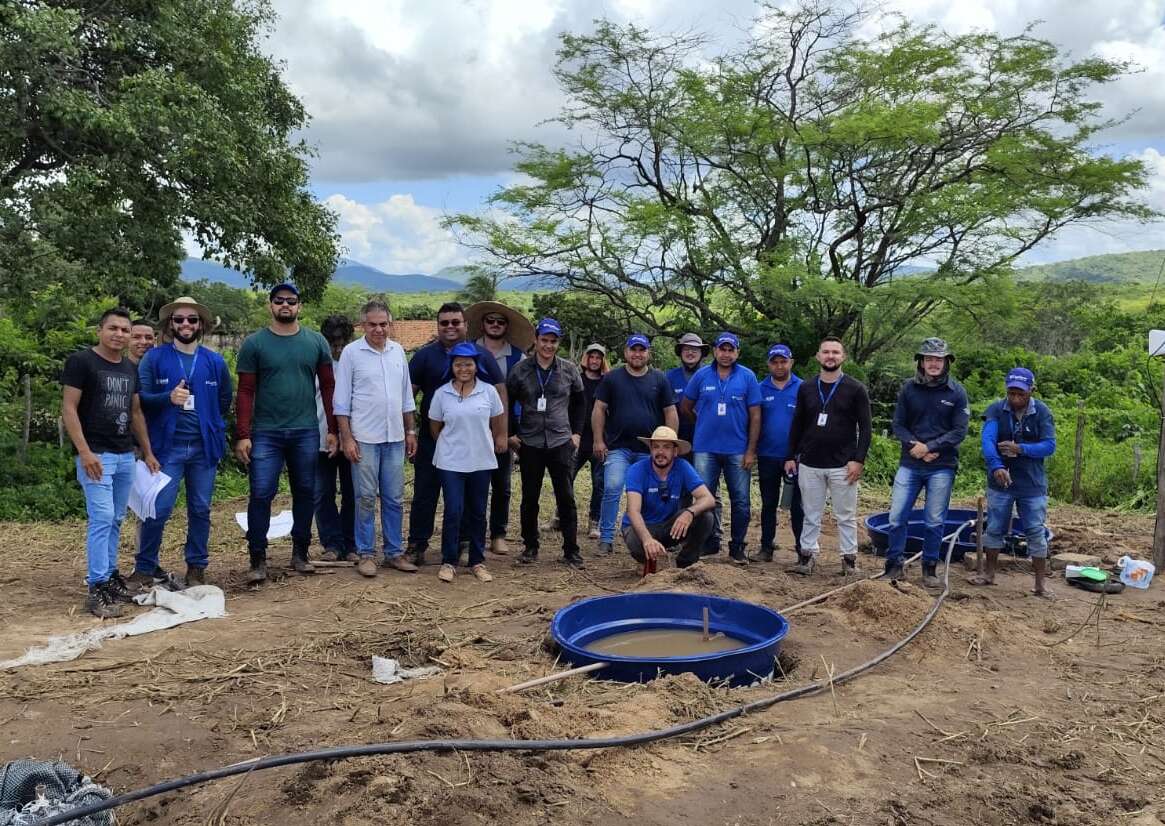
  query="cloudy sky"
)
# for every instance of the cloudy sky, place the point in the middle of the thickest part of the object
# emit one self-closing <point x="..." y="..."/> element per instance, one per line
<point x="415" y="105"/>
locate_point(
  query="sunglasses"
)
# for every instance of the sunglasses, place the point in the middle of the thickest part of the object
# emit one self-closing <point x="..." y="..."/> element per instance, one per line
<point x="449" y="322"/>
<point x="289" y="300"/>
<point x="497" y="320"/>
<point x="185" y="319"/>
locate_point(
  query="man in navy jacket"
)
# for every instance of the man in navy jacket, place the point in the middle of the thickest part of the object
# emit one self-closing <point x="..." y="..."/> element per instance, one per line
<point x="930" y="420"/>
<point x="186" y="394"/>
<point x="1018" y="435"/>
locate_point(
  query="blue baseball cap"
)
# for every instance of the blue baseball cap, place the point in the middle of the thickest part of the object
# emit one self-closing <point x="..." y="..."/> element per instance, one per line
<point x="548" y="326"/>
<point x="464" y="349"/>
<point x="780" y="351"/>
<point x="284" y="286"/>
<point x="1021" y="378"/>
<point x="638" y="340"/>
<point x="728" y="338"/>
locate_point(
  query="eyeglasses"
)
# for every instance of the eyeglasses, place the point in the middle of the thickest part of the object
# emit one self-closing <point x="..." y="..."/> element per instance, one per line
<point x="449" y="322"/>
<point x="289" y="300"/>
<point x="185" y="319"/>
<point x="496" y="320"/>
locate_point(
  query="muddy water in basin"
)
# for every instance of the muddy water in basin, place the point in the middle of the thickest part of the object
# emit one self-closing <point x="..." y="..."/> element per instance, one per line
<point x="663" y="642"/>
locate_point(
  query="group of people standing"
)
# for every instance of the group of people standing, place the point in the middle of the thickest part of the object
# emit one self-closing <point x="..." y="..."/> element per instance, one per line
<point x="488" y="389"/>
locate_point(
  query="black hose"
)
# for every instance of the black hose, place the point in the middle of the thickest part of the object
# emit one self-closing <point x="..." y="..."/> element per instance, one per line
<point x="407" y="747"/>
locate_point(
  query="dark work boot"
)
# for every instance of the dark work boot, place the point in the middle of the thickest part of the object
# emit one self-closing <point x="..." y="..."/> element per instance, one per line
<point x="930" y="575"/>
<point x="117" y="588"/>
<point x="805" y="564"/>
<point x="766" y="554"/>
<point x="100" y="604"/>
<point x="738" y="555"/>
<point x="258" y="571"/>
<point x="417" y="551"/>
<point x="893" y="571"/>
<point x="849" y="565"/>
<point x="195" y="575"/>
<point x="300" y="561"/>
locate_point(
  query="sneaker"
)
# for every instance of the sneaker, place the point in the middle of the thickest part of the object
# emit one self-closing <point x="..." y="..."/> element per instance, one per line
<point x="528" y="556"/>
<point x="894" y="571"/>
<point x="574" y="560"/>
<point x="302" y="564"/>
<point x="257" y="573"/>
<point x="446" y="573"/>
<point x="100" y="604"/>
<point x="482" y="574"/>
<point x="930" y="575"/>
<point x="118" y="589"/>
<point x="592" y="529"/>
<point x="498" y="546"/>
<point x="399" y="563"/>
<point x="195" y="575"/>
<point x="849" y="565"/>
<point x="366" y="566"/>
<point x="140" y="581"/>
<point x="606" y="548"/>
<point x="738" y="556"/>
<point x="805" y="564"/>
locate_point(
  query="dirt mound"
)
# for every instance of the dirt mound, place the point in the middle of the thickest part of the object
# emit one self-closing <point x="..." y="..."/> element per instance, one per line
<point x="879" y="603"/>
<point x="755" y="583"/>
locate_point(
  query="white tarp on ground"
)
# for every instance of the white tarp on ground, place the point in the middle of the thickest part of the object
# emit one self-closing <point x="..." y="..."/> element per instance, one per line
<point x="280" y="524"/>
<point x="388" y="671"/>
<point x="171" y="608"/>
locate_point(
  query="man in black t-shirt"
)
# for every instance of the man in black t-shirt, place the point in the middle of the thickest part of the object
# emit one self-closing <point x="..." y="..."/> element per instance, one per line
<point x="103" y="417"/>
<point x="630" y="402"/>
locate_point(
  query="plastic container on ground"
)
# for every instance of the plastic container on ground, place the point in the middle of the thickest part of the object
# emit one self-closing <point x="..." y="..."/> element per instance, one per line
<point x="878" y="527"/>
<point x="1136" y="573"/>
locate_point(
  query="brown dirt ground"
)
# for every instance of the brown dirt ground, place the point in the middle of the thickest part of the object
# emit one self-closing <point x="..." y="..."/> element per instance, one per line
<point x="1007" y="710"/>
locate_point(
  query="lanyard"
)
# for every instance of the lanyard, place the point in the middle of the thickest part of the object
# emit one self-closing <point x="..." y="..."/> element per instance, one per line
<point x="193" y="365"/>
<point x="724" y="383"/>
<point x="825" y="400"/>
<point x="538" y="374"/>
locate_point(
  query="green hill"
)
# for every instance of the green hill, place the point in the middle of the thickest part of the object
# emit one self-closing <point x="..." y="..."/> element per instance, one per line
<point x="1126" y="269"/>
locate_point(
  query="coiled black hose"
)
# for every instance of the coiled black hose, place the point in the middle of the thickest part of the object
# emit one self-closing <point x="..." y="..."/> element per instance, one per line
<point x="407" y="747"/>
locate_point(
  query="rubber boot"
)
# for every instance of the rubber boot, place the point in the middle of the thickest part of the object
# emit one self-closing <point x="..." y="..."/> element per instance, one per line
<point x="893" y="571"/>
<point x="930" y="575"/>
<point x="258" y="570"/>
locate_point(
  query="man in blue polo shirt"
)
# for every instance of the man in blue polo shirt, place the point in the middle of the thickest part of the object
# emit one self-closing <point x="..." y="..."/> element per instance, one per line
<point x="725" y="399"/>
<point x="654" y="522"/>
<point x="778" y="400"/>
<point x="428" y="371"/>
<point x="691" y="351"/>
<point x="1018" y="434"/>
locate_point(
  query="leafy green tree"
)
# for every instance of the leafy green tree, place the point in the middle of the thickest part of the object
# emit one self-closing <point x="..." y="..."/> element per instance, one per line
<point x="480" y="286"/>
<point x="803" y="178"/>
<point x="125" y="125"/>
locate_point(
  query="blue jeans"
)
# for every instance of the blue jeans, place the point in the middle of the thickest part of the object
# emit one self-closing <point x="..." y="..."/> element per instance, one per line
<point x="381" y="468"/>
<point x="465" y="497"/>
<point x="710" y="466"/>
<point x="908" y="483"/>
<point x="1033" y="514"/>
<point x="184" y="460"/>
<point x="335" y="526"/>
<point x="105" y="502"/>
<point x="614" y="477"/>
<point x="270" y="450"/>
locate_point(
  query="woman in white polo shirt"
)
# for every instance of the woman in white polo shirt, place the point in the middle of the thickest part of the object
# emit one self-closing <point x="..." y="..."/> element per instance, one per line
<point x="468" y="423"/>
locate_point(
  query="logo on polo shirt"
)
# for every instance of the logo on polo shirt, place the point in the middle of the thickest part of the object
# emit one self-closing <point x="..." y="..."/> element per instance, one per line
<point x="947" y="402"/>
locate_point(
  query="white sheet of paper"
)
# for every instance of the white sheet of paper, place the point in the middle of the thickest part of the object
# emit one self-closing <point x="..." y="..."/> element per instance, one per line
<point x="145" y="490"/>
<point x="280" y="524"/>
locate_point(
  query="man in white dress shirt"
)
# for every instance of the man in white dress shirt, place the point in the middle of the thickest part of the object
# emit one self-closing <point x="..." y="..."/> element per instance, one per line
<point x="374" y="408"/>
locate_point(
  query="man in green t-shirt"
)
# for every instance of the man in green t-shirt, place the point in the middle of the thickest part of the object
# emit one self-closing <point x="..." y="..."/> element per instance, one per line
<point x="276" y="423"/>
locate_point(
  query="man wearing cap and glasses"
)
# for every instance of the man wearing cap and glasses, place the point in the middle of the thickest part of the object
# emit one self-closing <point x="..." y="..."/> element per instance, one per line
<point x="630" y="402"/>
<point x="725" y="399"/>
<point x="276" y="424"/>
<point x="428" y="371"/>
<point x="778" y="402"/>
<point x="506" y="334"/>
<point x="691" y="351"/>
<point x="549" y="392"/>
<point x="654" y="522"/>
<point x="1019" y="433"/>
<point x="186" y="395"/>
<point x="930" y="421"/>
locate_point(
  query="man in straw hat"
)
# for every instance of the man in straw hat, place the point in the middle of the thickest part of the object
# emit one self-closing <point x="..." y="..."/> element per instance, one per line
<point x="691" y="351"/>
<point x="930" y="420"/>
<point x="654" y="522"/>
<point x="186" y="394"/>
<point x="507" y="335"/>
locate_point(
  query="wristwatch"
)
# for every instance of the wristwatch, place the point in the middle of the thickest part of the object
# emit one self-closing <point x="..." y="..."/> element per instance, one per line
<point x="691" y="512"/>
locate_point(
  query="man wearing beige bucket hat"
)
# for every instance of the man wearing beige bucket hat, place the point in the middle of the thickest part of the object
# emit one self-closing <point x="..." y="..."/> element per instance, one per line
<point x="186" y="394"/>
<point x="654" y="522"/>
<point x="507" y="335"/>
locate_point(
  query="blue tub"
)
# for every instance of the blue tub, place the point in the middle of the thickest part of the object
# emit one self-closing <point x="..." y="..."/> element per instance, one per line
<point x="878" y="526"/>
<point x="581" y="623"/>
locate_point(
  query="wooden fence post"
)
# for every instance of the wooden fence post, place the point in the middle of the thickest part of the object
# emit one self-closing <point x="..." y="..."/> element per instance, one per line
<point x="1159" y="527"/>
<point x="1079" y="457"/>
<point x="1136" y="463"/>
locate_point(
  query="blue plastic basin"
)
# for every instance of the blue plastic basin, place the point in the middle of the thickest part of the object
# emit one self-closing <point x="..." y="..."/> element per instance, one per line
<point x="878" y="526"/>
<point x="762" y="629"/>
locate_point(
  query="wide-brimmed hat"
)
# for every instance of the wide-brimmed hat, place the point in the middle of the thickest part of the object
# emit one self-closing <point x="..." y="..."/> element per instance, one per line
<point x="663" y="433"/>
<point x="519" y="333"/>
<point x="693" y="340"/>
<point x="209" y="322"/>
<point x="595" y="346"/>
<point x="935" y="347"/>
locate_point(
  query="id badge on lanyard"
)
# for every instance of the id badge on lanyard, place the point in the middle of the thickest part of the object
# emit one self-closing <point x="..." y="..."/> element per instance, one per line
<point x="541" y="406"/>
<point x="721" y="409"/>
<point x="189" y="403"/>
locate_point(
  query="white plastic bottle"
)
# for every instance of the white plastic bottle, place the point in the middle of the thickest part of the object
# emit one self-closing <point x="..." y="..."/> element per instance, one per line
<point x="1136" y="573"/>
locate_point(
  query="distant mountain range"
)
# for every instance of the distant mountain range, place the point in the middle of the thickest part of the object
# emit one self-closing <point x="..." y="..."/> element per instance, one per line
<point x="449" y="279"/>
<point x="1126" y="268"/>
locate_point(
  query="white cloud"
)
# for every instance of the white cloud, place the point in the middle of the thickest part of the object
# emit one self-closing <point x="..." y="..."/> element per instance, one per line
<point x="396" y="235"/>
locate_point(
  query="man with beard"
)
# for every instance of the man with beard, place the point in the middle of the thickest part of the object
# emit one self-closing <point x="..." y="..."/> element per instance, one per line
<point x="506" y="335"/>
<point x="654" y="522"/>
<point x="141" y="340"/>
<point x="691" y="351"/>
<point x="725" y="399"/>
<point x="829" y="440"/>
<point x="778" y="402"/>
<point x="930" y="420"/>
<point x="428" y="372"/>
<point x="630" y="402"/>
<point x="186" y="395"/>
<point x="276" y="424"/>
